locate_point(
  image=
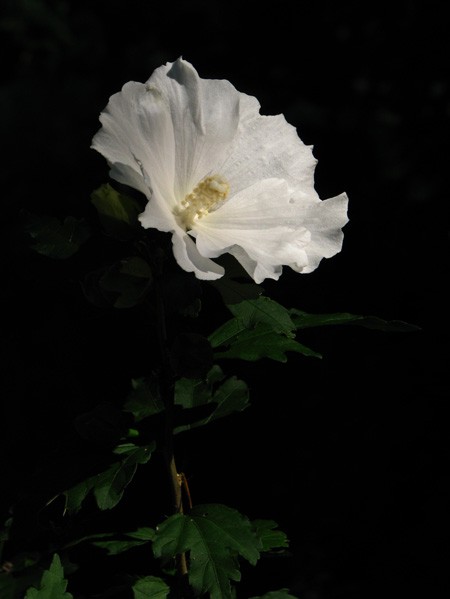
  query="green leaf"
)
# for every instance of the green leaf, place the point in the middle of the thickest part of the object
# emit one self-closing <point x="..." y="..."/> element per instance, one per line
<point x="214" y="535"/>
<point x="303" y="320"/>
<point x="108" y="486"/>
<point x="266" y="310"/>
<point x="141" y="536"/>
<point x="261" y="328"/>
<point x="77" y="494"/>
<point x="125" y="283"/>
<point x="118" y="546"/>
<point x="235" y="286"/>
<point x="263" y="342"/>
<point x="281" y="594"/>
<point x="269" y="535"/>
<point x="150" y="587"/>
<point x="228" y="396"/>
<point x="52" y="585"/>
<point x="145" y="399"/>
<point x="57" y="239"/>
<point x="117" y="212"/>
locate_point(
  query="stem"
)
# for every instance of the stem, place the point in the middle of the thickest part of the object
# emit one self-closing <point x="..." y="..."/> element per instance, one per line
<point x="167" y="393"/>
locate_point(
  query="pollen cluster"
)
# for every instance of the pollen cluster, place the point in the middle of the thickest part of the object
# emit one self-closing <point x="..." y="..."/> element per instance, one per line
<point x="206" y="196"/>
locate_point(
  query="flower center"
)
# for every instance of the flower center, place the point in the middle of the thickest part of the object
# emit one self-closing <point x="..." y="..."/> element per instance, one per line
<point x="206" y="196"/>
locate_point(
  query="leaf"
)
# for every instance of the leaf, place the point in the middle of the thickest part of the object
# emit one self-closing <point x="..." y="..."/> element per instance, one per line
<point x="236" y="285"/>
<point x="52" y="585"/>
<point x="303" y="320"/>
<point x="260" y="328"/>
<point x="117" y="212"/>
<point x="56" y="239"/>
<point x="118" y="546"/>
<point x="229" y="396"/>
<point x="266" y="310"/>
<point x="125" y="284"/>
<point x="269" y="535"/>
<point x="214" y="535"/>
<point x="77" y="494"/>
<point x="108" y="486"/>
<point x="263" y="342"/>
<point x="281" y="594"/>
<point x="141" y="536"/>
<point x="144" y="400"/>
<point x="150" y="587"/>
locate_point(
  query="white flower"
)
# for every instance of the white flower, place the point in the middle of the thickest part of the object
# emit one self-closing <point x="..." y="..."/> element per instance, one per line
<point x="218" y="175"/>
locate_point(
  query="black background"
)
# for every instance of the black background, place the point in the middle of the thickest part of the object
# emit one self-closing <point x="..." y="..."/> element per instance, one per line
<point x="349" y="454"/>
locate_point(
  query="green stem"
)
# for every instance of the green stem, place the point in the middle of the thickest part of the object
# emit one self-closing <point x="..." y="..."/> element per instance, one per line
<point x="168" y="397"/>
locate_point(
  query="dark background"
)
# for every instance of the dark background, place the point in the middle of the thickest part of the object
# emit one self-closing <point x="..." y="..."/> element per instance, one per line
<point x="349" y="454"/>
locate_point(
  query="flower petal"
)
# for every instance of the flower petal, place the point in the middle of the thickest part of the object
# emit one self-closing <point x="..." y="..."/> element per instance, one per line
<point x="137" y="132"/>
<point x="265" y="226"/>
<point x="266" y="147"/>
<point x="324" y="220"/>
<point x="205" y="118"/>
<point x="189" y="258"/>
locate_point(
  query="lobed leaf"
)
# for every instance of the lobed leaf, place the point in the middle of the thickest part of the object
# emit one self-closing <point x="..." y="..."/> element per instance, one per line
<point x="214" y="535"/>
<point x="263" y="342"/>
<point x="261" y="328"/>
<point x="269" y="535"/>
<point x="53" y="584"/>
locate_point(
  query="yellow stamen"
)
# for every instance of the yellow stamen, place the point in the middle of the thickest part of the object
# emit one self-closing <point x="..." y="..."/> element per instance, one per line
<point x="206" y="196"/>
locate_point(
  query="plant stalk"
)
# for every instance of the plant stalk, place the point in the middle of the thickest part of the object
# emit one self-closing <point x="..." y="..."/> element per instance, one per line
<point x="168" y="397"/>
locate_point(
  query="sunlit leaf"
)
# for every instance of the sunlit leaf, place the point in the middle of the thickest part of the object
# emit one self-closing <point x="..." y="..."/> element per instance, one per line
<point x="150" y="587"/>
<point x="214" y="535"/>
<point x="57" y="239"/>
<point x="53" y="584"/>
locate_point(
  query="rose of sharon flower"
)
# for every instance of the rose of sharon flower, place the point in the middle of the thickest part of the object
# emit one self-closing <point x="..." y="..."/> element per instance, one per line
<point x="218" y="175"/>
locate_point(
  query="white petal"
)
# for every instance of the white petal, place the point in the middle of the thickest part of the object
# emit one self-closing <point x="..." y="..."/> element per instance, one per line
<point x="255" y="220"/>
<point x="266" y="147"/>
<point x="137" y="132"/>
<point x="264" y="204"/>
<point x="265" y="227"/>
<point x="205" y="117"/>
<point x="189" y="258"/>
<point x="324" y="220"/>
<point x="257" y="271"/>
